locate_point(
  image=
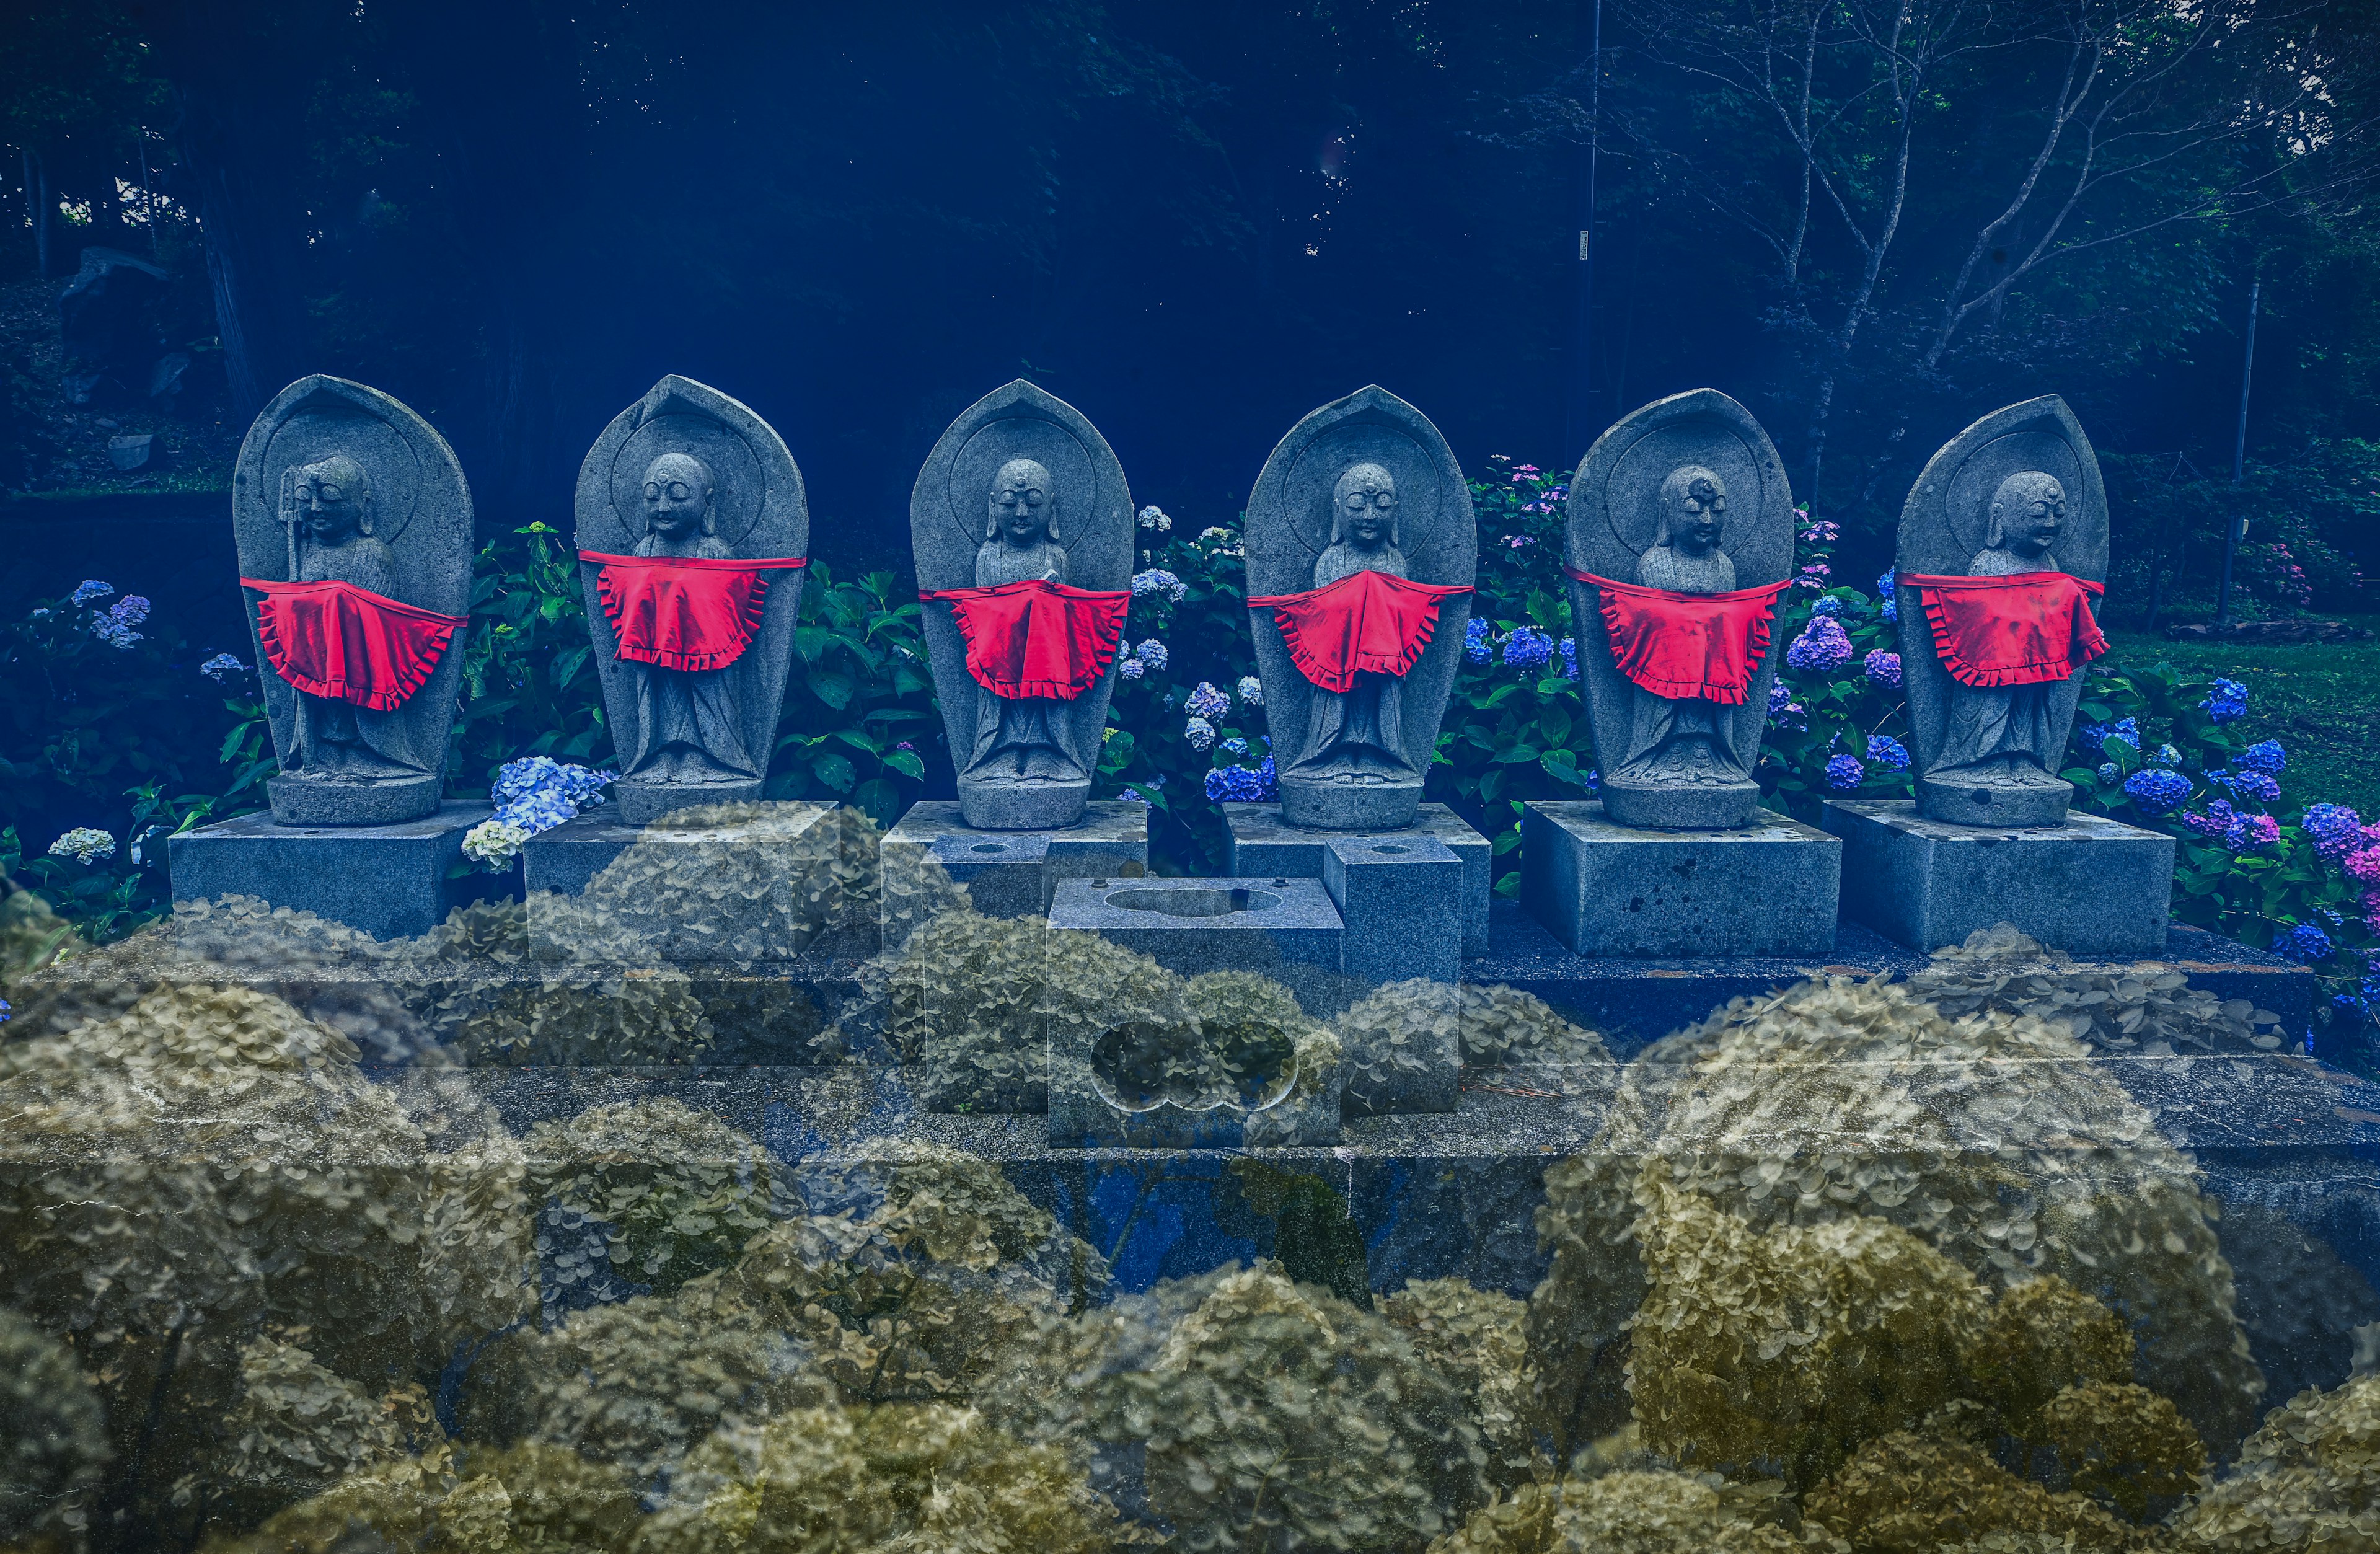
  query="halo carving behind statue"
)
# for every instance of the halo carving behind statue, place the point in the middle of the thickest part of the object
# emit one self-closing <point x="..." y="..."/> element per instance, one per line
<point x="420" y="510"/>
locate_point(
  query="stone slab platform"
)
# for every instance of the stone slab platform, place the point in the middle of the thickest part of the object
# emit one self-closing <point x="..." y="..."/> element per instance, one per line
<point x="2090" y="887"/>
<point x="1605" y="889"/>
<point x="1259" y="843"/>
<point x="389" y="881"/>
<point x="1007" y="873"/>
<point x="1286" y="930"/>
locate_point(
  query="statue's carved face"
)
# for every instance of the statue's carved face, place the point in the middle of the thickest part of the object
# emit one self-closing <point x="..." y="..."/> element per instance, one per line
<point x="1020" y="502"/>
<point x="1365" y="501"/>
<point x="2028" y="511"/>
<point x="677" y="494"/>
<point x="334" y="500"/>
<point x="1693" y="507"/>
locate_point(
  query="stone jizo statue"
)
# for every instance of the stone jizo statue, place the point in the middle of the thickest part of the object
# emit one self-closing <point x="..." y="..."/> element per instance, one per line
<point x="2003" y="544"/>
<point x="355" y="531"/>
<point x="1022" y="530"/>
<point x="692" y="529"/>
<point x="1681" y="541"/>
<point x="1361" y="550"/>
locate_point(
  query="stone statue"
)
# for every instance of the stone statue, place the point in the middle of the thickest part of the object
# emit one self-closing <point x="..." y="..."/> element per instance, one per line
<point x="693" y="528"/>
<point x="1022" y="527"/>
<point x="354" y="525"/>
<point x="1684" y="499"/>
<point x="2015" y="497"/>
<point x="1356" y="668"/>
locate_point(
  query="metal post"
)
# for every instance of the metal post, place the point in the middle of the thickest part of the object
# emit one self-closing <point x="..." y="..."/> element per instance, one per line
<point x="2237" y="529"/>
<point x="1581" y="422"/>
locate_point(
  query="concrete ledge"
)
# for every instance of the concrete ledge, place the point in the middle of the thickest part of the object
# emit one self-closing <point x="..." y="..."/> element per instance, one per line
<point x="1260" y="842"/>
<point x="1611" y="890"/>
<point x="2091" y="887"/>
<point x="1008" y="873"/>
<point x="389" y="881"/>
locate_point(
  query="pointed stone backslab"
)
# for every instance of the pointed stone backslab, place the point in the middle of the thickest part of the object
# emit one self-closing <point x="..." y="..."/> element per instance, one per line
<point x="761" y="509"/>
<point x="1943" y="525"/>
<point x="421" y="511"/>
<point x="1614" y="518"/>
<point x="947" y="521"/>
<point x="1289" y="524"/>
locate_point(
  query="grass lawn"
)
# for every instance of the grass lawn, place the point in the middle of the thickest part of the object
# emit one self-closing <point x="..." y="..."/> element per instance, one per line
<point x="2321" y="701"/>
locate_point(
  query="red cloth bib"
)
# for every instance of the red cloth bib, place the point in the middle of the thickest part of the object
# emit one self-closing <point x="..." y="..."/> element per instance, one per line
<point x="2027" y="630"/>
<point x="1366" y="621"/>
<point x="344" y="643"/>
<point x="1702" y="646"/>
<point x="684" y="613"/>
<point x="1037" y="637"/>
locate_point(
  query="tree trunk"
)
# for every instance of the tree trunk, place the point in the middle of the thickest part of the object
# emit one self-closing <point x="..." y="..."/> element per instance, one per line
<point x="42" y="206"/>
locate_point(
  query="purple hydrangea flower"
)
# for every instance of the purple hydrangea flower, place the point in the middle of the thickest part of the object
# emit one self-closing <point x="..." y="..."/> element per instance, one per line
<point x="1845" y="772"/>
<point x="2157" y="792"/>
<point x="2248" y="784"/>
<point x="1888" y="752"/>
<point x="1207" y="702"/>
<point x="2252" y="832"/>
<point x="1130" y="667"/>
<point x="1822" y="647"/>
<point x="220" y="665"/>
<point x="1153" y="654"/>
<point x="1793" y="717"/>
<point x="91" y="588"/>
<point x="2227" y="701"/>
<point x="1778" y="696"/>
<point x="1883" y="668"/>
<point x="1527" y="647"/>
<point x="115" y="627"/>
<point x="2266" y="755"/>
<point x="2337" y="829"/>
<point x="2218" y="822"/>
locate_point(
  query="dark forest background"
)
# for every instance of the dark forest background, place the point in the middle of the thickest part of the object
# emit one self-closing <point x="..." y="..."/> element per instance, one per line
<point x="1870" y="220"/>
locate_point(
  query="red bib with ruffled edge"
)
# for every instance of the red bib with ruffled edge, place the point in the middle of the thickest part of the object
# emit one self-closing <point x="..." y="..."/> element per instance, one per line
<point x="2030" y="629"/>
<point x="344" y="643"/>
<point x="1703" y="646"/>
<point x="684" y="613"/>
<point x="1037" y="637"/>
<point x="1367" y="621"/>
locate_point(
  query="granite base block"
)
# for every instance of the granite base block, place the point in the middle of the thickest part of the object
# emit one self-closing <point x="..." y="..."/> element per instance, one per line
<point x="1259" y="843"/>
<point x="1605" y="890"/>
<point x="1007" y="873"/>
<point x="1400" y="896"/>
<point x="756" y="890"/>
<point x="2090" y="887"/>
<point x="1287" y="929"/>
<point x="389" y="881"/>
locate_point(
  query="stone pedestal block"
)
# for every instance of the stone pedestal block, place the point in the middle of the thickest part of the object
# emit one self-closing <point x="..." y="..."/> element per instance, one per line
<point x="1261" y="844"/>
<point x="766" y="888"/>
<point x="1400" y="896"/>
<point x="1007" y="873"/>
<point x="390" y="882"/>
<point x="2090" y="887"/>
<point x="1608" y="890"/>
<point x="1280" y="928"/>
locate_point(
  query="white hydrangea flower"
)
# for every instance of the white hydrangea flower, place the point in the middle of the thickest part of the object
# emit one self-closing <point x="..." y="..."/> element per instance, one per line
<point x="85" y="844"/>
<point x="494" y="843"/>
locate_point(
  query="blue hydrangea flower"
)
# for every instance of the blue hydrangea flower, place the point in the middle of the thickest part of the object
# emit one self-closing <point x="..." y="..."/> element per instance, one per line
<point x="1157" y="580"/>
<point x="1234" y="746"/>
<point x="1234" y="784"/>
<point x="1527" y="647"/>
<point x="1268" y="784"/>
<point x="1251" y="691"/>
<point x="2165" y="755"/>
<point x="578" y="787"/>
<point x="2097" y="736"/>
<point x="220" y="665"/>
<point x="1887" y="583"/>
<point x="1891" y="609"/>
<point x="1793" y="717"/>
<point x="2156" y="792"/>
<point x="4" y="1011"/>
<point x="2304" y="942"/>
<point x="1131" y="668"/>
<point x="2266" y="755"/>
<point x="1888" y="752"/>
<point x="2336" y="828"/>
<point x="1845" y="772"/>
<point x="1570" y="657"/>
<point x="1826" y="604"/>
<point x="2110" y="772"/>
<point x="1594" y="782"/>
<point x="1778" y="696"/>
<point x="1207" y="702"/>
<point x="1477" y="641"/>
<point x="1133" y="794"/>
<point x="92" y="588"/>
<point x="1883" y="668"/>
<point x="2248" y="784"/>
<point x="115" y="627"/>
<point x="2227" y="701"/>
<point x="1822" y="647"/>
<point x="1199" y="733"/>
<point x="1153" y="653"/>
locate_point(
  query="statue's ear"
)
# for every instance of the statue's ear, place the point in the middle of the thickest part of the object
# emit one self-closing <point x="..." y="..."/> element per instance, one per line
<point x="364" y="515"/>
<point x="711" y="511"/>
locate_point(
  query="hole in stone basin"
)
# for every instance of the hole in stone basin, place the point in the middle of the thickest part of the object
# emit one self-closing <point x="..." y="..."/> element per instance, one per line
<point x="989" y="847"/>
<point x="1195" y="904"/>
<point x="1392" y="849"/>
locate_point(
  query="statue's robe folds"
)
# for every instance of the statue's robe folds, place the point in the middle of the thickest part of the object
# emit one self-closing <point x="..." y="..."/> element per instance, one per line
<point x="681" y="622"/>
<point x="1354" y="637"/>
<point x="353" y="655"/>
<point x="2005" y="637"/>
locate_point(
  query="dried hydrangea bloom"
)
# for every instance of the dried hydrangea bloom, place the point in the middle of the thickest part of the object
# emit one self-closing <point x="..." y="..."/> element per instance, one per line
<point x="2146" y="1009"/>
<point x="676" y="1192"/>
<point x="1401" y="1028"/>
<point x="1271" y="1415"/>
<point x="2307" y="1482"/>
<point x="1912" y="1491"/>
<point x="53" y="1438"/>
<point x="1266" y="1048"/>
<point x="910" y="1271"/>
<point x="744" y="881"/>
<point x="1478" y="1340"/>
<point x="894" y="1476"/>
<point x="1637" y="1510"/>
<point x="299" y="1428"/>
<point x="527" y="1500"/>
